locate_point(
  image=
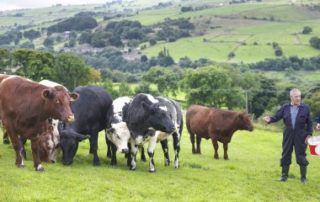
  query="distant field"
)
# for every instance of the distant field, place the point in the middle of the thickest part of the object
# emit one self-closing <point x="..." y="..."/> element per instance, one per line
<point x="250" y="175"/>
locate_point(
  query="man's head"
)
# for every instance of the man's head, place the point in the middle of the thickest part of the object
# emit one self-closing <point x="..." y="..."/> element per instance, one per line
<point x="295" y="96"/>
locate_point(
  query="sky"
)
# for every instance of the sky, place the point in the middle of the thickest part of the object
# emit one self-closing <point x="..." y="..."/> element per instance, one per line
<point x="18" y="4"/>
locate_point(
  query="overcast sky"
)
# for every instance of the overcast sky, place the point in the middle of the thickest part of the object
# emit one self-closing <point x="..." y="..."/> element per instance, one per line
<point x="17" y="4"/>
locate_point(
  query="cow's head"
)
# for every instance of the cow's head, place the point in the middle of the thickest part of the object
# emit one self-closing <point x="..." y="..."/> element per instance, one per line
<point x="158" y="117"/>
<point x="69" y="141"/>
<point x="245" y="121"/>
<point x="57" y="102"/>
<point x="119" y="135"/>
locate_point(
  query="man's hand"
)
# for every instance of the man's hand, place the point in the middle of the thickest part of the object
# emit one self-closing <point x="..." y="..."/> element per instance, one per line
<point x="318" y="126"/>
<point x="306" y="140"/>
<point x="267" y="119"/>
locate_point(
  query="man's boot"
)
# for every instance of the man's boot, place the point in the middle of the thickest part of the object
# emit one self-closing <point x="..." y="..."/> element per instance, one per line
<point x="303" y="172"/>
<point x="284" y="174"/>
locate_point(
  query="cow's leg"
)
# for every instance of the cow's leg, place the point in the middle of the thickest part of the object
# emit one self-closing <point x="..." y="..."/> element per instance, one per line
<point x="151" y="148"/>
<point x="18" y="149"/>
<point x="176" y="147"/>
<point x="192" y="142"/>
<point x="113" y="154"/>
<point x="128" y="155"/>
<point x="5" y="137"/>
<point x="108" y="142"/>
<point x="215" y="147"/>
<point x="35" y="154"/>
<point x="143" y="156"/>
<point x="91" y="150"/>
<point x="225" y="149"/>
<point x="198" y="145"/>
<point x="23" y="142"/>
<point x="164" y="145"/>
<point x="94" y="148"/>
<point x="134" y="150"/>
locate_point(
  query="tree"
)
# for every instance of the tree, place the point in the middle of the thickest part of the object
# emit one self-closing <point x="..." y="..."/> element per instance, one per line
<point x="48" y="42"/>
<point x="35" y="65"/>
<point x="5" y="59"/>
<point x="125" y="90"/>
<point x="306" y="30"/>
<point x="261" y="99"/>
<point x="165" y="79"/>
<point x="69" y="69"/>
<point x="164" y="58"/>
<point x="31" y="34"/>
<point x="315" y="42"/>
<point x="211" y="86"/>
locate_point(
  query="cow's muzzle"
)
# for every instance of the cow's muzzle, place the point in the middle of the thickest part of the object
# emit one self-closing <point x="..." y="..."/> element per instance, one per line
<point x="70" y="119"/>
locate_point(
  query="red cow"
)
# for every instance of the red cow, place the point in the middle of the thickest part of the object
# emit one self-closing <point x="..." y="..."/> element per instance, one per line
<point x="25" y="106"/>
<point x="5" y="135"/>
<point x="216" y="124"/>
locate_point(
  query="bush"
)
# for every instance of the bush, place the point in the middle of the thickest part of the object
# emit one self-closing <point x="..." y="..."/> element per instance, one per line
<point x="306" y="30"/>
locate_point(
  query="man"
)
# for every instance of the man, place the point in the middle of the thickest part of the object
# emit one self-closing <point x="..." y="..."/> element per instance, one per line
<point x="298" y="126"/>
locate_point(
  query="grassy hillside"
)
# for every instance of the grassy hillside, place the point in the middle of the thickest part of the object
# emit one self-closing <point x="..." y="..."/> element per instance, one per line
<point x="235" y="31"/>
<point x="250" y="175"/>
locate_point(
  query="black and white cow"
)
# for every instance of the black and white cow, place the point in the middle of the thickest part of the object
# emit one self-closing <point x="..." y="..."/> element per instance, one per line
<point x="146" y="117"/>
<point x="118" y="135"/>
<point x="92" y="112"/>
<point x="175" y="113"/>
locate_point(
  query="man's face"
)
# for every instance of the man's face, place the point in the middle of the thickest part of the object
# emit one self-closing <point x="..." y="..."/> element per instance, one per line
<point x="296" y="98"/>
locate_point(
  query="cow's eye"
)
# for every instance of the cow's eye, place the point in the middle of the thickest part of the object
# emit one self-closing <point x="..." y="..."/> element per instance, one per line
<point x="118" y="136"/>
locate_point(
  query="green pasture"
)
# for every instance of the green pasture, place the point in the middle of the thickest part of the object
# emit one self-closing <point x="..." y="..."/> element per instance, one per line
<point x="250" y="175"/>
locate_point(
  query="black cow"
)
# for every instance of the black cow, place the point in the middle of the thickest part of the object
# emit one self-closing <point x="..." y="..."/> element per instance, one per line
<point x="144" y="116"/>
<point x="92" y="112"/>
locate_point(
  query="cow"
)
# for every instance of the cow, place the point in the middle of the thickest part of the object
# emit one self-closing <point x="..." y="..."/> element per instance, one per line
<point x="215" y="124"/>
<point x="48" y="141"/>
<point x="146" y="117"/>
<point x="92" y="111"/>
<point x="5" y="135"/>
<point x="25" y="105"/>
<point x="175" y="113"/>
<point x="117" y="137"/>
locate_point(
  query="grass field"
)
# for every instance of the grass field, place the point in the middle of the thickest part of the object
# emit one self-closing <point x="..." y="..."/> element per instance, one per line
<point x="250" y="175"/>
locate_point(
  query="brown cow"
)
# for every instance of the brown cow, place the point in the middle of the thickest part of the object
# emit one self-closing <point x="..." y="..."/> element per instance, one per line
<point x="5" y="135"/>
<point x="216" y="124"/>
<point x="25" y="106"/>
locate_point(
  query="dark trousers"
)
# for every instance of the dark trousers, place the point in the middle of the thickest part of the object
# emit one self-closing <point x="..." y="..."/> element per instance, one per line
<point x="293" y="140"/>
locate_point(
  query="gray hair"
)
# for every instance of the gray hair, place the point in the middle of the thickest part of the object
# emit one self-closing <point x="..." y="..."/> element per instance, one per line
<point x="294" y="90"/>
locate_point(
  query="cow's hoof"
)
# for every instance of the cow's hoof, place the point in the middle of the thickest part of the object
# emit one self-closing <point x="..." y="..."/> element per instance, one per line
<point x="152" y="171"/>
<point x="166" y="162"/>
<point x="216" y="157"/>
<point x="6" y="141"/>
<point x="20" y="166"/>
<point x="40" y="168"/>
<point x="133" y="168"/>
<point x="97" y="163"/>
<point x="226" y="158"/>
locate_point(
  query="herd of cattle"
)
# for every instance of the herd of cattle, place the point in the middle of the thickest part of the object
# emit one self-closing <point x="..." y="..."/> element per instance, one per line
<point x="53" y="118"/>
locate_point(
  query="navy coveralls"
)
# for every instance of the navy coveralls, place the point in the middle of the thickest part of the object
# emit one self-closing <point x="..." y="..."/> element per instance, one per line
<point x="294" y="136"/>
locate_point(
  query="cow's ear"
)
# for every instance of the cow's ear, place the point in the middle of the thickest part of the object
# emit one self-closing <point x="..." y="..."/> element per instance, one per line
<point x="146" y="106"/>
<point x="74" y="96"/>
<point x="48" y="94"/>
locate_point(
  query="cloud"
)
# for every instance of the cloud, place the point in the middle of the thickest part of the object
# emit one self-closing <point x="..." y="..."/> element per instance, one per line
<point x="18" y="4"/>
